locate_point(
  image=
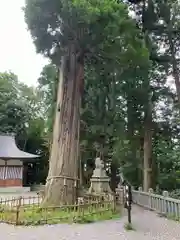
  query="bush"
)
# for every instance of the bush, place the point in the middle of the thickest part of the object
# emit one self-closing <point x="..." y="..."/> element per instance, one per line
<point x="175" y="194"/>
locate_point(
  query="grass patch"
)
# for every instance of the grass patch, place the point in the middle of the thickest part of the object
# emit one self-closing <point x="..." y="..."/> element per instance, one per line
<point x="169" y="216"/>
<point x="98" y="217"/>
<point x="38" y="216"/>
<point x="129" y="227"/>
<point x="172" y="217"/>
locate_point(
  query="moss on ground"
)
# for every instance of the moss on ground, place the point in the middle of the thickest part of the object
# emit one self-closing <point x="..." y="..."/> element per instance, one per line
<point x="129" y="227"/>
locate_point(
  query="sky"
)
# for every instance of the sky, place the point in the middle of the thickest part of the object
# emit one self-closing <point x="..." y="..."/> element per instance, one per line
<point x="17" y="51"/>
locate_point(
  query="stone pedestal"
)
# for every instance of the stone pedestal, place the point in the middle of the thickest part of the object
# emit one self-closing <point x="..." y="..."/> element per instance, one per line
<point x="99" y="180"/>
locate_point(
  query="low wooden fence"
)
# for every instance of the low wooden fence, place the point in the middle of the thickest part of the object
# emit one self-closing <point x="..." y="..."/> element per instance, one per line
<point x="162" y="204"/>
<point x="27" y="211"/>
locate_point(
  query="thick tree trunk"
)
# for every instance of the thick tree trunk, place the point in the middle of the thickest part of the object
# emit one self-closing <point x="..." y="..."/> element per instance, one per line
<point x="134" y="173"/>
<point x="63" y="165"/>
<point x="175" y="70"/>
<point x="148" y="181"/>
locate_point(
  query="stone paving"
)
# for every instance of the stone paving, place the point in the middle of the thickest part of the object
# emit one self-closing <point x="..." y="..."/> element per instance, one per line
<point x="148" y="226"/>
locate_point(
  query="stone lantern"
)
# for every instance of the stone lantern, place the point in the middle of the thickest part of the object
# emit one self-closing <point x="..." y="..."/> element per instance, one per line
<point x="99" y="180"/>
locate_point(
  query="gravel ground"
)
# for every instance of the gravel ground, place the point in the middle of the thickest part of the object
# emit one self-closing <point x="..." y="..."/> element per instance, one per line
<point x="148" y="226"/>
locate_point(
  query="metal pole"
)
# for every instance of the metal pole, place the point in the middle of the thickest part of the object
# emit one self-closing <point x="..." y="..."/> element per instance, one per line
<point x="128" y="200"/>
<point x="129" y="214"/>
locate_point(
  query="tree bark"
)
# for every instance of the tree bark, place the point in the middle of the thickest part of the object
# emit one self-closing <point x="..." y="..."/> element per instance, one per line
<point x="63" y="164"/>
<point x="148" y="181"/>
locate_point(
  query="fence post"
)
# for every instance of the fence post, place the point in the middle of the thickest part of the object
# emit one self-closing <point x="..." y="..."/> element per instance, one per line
<point x="18" y="210"/>
<point x="65" y="189"/>
<point x="114" y="202"/>
<point x="139" y="196"/>
<point x="78" y="209"/>
<point x="150" y="198"/>
<point x="165" y="195"/>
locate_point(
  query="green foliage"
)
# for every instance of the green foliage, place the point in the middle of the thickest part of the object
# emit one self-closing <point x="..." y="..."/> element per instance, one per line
<point x="13" y="112"/>
<point x="168" y="159"/>
<point x="63" y="22"/>
<point x="124" y="72"/>
<point x="175" y="194"/>
<point x="48" y="84"/>
<point x="21" y="112"/>
<point x="115" y="59"/>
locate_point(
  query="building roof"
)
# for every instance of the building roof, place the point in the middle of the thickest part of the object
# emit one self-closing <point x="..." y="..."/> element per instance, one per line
<point x="9" y="150"/>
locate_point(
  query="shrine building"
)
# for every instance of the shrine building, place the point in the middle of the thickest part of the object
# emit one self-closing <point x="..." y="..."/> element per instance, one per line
<point x="11" y="163"/>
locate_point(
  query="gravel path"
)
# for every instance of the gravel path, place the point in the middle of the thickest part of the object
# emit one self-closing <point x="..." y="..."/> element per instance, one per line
<point x="147" y="224"/>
